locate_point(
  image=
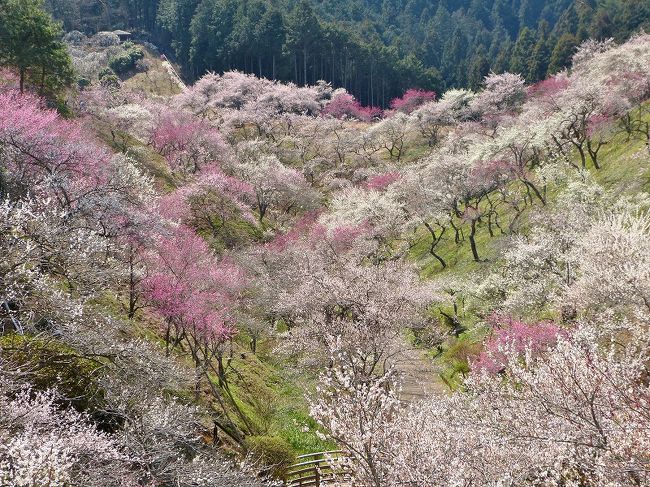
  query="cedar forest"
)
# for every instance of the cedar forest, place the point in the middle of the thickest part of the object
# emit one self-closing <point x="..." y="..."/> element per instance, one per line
<point x="409" y="240"/>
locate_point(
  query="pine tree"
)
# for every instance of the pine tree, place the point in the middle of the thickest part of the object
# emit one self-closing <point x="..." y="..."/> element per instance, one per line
<point x="502" y="11"/>
<point x="303" y="32"/>
<point x="270" y="34"/>
<point x="452" y="60"/>
<point x="635" y="14"/>
<point x="502" y="61"/>
<point x="540" y="58"/>
<point x="529" y="13"/>
<point x="562" y="53"/>
<point x="601" y="26"/>
<point x="30" y="41"/>
<point x="478" y="69"/>
<point x="519" y="61"/>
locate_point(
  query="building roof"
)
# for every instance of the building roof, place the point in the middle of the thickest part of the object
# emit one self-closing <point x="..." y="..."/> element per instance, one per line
<point x="121" y="33"/>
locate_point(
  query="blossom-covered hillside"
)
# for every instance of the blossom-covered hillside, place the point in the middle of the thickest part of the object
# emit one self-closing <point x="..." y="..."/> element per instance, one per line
<point x="200" y="283"/>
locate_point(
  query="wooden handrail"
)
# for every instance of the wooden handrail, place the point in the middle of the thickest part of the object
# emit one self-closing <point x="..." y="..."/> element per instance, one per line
<point x="310" y="473"/>
<point x="332" y="452"/>
<point x="310" y="462"/>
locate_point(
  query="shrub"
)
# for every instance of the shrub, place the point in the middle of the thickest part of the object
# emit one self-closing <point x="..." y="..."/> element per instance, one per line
<point x="135" y="54"/>
<point x="83" y="82"/>
<point x="75" y="37"/>
<point x="105" y="72"/>
<point x="152" y="47"/>
<point x="110" y="81"/>
<point x="126" y="61"/>
<point x="274" y="454"/>
<point x="142" y="65"/>
<point x="121" y="63"/>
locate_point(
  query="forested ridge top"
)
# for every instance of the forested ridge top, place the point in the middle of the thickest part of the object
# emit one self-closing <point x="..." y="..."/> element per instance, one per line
<point x="375" y="49"/>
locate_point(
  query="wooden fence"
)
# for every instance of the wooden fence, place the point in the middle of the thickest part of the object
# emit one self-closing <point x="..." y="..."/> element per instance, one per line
<point x="314" y="469"/>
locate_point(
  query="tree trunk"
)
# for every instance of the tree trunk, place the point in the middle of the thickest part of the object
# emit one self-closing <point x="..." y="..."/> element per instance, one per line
<point x="133" y="295"/>
<point x="221" y="371"/>
<point x="435" y="239"/>
<point x="22" y="80"/>
<point x="472" y="241"/>
<point x="304" y="65"/>
<point x="536" y="191"/>
<point x="197" y="382"/>
<point x="456" y="233"/>
<point x="593" y="152"/>
<point x="41" y="89"/>
<point x="295" y="67"/>
<point x="583" y="158"/>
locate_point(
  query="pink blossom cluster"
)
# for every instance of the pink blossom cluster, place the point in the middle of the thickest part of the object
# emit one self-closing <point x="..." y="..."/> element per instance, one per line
<point x="492" y="174"/>
<point x="549" y="86"/>
<point x="52" y="155"/>
<point x="382" y="181"/>
<point x="303" y="227"/>
<point x="191" y="289"/>
<point x="512" y="336"/>
<point x="187" y="143"/>
<point x="310" y="234"/>
<point x="412" y="99"/>
<point x="345" y="105"/>
<point x="245" y="92"/>
<point x="177" y="205"/>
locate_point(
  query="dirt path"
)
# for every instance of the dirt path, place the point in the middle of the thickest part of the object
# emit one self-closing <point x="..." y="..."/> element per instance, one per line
<point x="420" y="380"/>
<point x="420" y="377"/>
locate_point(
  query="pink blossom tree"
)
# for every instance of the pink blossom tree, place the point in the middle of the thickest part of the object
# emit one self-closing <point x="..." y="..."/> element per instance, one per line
<point x="188" y="144"/>
<point x="212" y="204"/>
<point x="128" y="121"/>
<point x="412" y="99"/>
<point x="344" y="105"/>
<point x="46" y="154"/>
<point x="358" y="413"/>
<point x="432" y="117"/>
<point x="573" y="411"/>
<point x="583" y="119"/>
<point x="390" y="134"/>
<point x="275" y="186"/>
<point x="503" y="94"/>
<point x="239" y="91"/>
<point x="355" y="311"/>
<point x="612" y="264"/>
<point x="511" y="337"/>
<point x="193" y="293"/>
<point x="43" y="444"/>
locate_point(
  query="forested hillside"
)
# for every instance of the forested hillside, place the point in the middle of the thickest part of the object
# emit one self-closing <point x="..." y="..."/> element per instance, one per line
<point x="201" y="282"/>
<point x="374" y="49"/>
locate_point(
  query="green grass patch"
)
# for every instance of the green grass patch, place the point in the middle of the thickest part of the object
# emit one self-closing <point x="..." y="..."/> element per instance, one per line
<point x="50" y="364"/>
<point x="273" y="399"/>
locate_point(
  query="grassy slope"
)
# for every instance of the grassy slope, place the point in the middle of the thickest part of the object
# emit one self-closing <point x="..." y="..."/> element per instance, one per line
<point x="273" y="397"/>
<point x="157" y="81"/>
